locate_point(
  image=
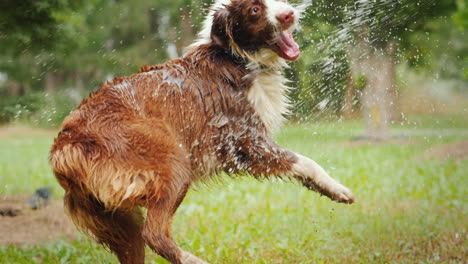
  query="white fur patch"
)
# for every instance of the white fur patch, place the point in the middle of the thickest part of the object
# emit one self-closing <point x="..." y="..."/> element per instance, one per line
<point x="274" y="8"/>
<point x="265" y="57"/>
<point x="308" y="169"/>
<point x="268" y="97"/>
<point x="204" y="36"/>
<point x="191" y="259"/>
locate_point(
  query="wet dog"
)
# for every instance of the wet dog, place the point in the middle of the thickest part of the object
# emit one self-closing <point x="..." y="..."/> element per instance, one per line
<point x="142" y="140"/>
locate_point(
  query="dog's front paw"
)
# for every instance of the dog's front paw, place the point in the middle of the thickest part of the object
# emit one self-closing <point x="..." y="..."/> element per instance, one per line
<point x="188" y="258"/>
<point x="342" y="194"/>
<point x="332" y="190"/>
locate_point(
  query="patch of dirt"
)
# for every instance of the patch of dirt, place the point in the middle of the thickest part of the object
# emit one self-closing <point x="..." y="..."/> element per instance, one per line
<point x="456" y="151"/>
<point x="21" y="225"/>
<point x="359" y="142"/>
<point x="15" y="130"/>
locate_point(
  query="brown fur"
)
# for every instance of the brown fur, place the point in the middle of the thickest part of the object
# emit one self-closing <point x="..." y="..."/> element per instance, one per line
<point x="141" y="140"/>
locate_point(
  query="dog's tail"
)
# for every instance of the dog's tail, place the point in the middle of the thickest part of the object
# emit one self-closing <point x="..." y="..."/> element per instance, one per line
<point x="83" y="166"/>
<point x="115" y="228"/>
<point x="69" y="164"/>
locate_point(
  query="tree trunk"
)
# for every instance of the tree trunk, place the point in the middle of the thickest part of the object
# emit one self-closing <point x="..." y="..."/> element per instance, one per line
<point x="375" y="101"/>
<point x="392" y="89"/>
<point x="378" y="96"/>
<point x="350" y="97"/>
<point x="188" y="34"/>
<point x="52" y="81"/>
<point x="78" y="80"/>
<point x="15" y="89"/>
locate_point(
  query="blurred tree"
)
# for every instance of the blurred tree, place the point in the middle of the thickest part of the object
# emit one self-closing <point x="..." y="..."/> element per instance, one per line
<point x="65" y="45"/>
<point x="29" y="31"/>
<point x="32" y="24"/>
<point x="81" y="43"/>
<point x="461" y="17"/>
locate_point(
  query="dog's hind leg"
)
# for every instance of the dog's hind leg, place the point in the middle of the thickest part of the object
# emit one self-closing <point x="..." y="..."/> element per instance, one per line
<point x="157" y="230"/>
<point x="119" y="230"/>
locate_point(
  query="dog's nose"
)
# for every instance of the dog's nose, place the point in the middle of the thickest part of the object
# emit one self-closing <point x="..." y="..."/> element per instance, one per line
<point x="286" y="17"/>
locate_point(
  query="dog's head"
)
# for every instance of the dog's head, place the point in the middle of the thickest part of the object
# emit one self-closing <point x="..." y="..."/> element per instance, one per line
<point x="259" y="30"/>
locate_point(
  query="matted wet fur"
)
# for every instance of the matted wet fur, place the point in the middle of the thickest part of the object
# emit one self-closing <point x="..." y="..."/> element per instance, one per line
<point x="142" y="140"/>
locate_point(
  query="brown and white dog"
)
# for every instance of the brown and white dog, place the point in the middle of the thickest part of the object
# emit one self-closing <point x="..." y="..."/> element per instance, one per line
<point x="142" y="140"/>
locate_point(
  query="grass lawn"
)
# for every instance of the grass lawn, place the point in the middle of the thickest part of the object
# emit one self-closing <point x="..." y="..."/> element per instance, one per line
<point x="409" y="210"/>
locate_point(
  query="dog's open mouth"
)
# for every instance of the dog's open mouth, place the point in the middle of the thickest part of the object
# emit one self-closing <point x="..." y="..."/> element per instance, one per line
<point x="286" y="47"/>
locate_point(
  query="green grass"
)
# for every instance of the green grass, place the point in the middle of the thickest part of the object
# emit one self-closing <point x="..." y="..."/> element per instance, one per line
<point x="408" y="210"/>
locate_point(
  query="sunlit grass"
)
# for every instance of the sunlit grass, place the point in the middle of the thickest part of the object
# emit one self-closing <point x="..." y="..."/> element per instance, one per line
<point x="24" y="165"/>
<point x="408" y="211"/>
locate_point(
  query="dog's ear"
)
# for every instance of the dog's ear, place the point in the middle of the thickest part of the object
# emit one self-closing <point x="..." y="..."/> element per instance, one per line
<point x="221" y="28"/>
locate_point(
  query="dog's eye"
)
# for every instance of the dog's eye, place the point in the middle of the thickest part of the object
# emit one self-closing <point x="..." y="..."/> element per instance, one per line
<point x="256" y="10"/>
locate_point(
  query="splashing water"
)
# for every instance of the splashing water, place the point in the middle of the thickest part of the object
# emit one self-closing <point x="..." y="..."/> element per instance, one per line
<point x="373" y="23"/>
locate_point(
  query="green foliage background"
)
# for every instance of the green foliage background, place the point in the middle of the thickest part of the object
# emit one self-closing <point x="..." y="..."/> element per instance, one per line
<point x="56" y="51"/>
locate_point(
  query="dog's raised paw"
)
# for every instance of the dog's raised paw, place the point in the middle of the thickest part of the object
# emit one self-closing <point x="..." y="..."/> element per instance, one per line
<point x="342" y="194"/>
<point x="188" y="258"/>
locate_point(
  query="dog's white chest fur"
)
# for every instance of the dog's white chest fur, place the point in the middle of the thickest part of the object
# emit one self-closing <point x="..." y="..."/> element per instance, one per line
<point x="268" y="97"/>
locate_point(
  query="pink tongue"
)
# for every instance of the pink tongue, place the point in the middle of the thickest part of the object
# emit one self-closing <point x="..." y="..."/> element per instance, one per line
<point x="288" y="48"/>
